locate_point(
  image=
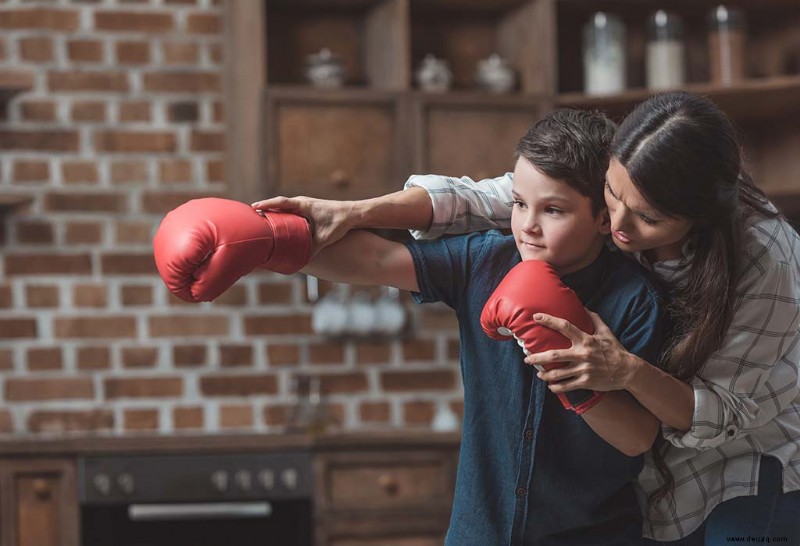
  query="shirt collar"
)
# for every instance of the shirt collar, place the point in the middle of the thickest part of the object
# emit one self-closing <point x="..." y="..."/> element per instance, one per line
<point x="586" y="282"/>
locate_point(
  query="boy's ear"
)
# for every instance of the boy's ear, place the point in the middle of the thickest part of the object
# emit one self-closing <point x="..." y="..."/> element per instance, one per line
<point x="605" y="221"/>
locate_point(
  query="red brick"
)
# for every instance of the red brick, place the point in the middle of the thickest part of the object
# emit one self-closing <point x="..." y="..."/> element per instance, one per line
<point x="236" y="416"/>
<point x="326" y="353"/>
<point x="44" y="358"/>
<point x="219" y="112"/>
<point x="95" y="327"/>
<point x="277" y="415"/>
<point x="133" y="295"/>
<point x="189" y="325"/>
<point x="189" y="355"/>
<point x="79" y="172"/>
<point x="48" y="264"/>
<point x="85" y="50"/>
<point x="375" y="412"/>
<point x="238" y="385"/>
<point x="344" y="383"/>
<point x="275" y="293"/>
<point x="417" y="380"/>
<point x="70" y="421"/>
<point x="215" y="53"/>
<point x="163" y="202"/>
<point x="142" y="387"/>
<point x="208" y="141"/>
<point x="63" y="388"/>
<point x="38" y="110"/>
<point x="282" y="354"/>
<point x="90" y="295"/>
<point x="139" y="357"/>
<point x="134" y="232"/>
<point x="419" y="349"/>
<point x="234" y="296"/>
<point x="39" y="296"/>
<point x="140" y="419"/>
<point x="128" y="264"/>
<point x="235" y="355"/>
<point x="78" y="80"/>
<point x="6" y="359"/>
<point x="175" y="170"/>
<point x="6" y="297"/>
<point x="36" y="49"/>
<point x="133" y="52"/>
<point x="93" y="358"/>
<point x="83" y="233"/>
<point x="375" y="352"/>
<point x="40" y="140"/>
<point x="418" y="412"/>
<point x="175" y="53"/>
<point x="35" y="232"/>
<point x="94" y="111"/>
<point x="136" y="21"/>
<point x="31" y="171"/>
<point x="40" y="19"/>
<point x="129" y="171"/>
<point x="277" y="324"/>
<point x="85" y="202"/>
<point x="182" y="82"/>
<point x="215" y="170"/>
<point x="6" y="422"/>
<point x="454" y="349"/>
<point x="134" y="111"/>
<point x="201" y="23"/>
<point x="187" y="418"/>
<point x="135" y="141"/>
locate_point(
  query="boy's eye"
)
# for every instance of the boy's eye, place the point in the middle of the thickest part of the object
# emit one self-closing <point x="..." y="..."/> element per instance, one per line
<point x="518" y="203"/>
<point x="553" y="210"/>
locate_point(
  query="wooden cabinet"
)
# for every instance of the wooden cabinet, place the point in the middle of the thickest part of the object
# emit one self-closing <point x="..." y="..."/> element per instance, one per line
<point x="38" y="503"/>
<point x="378" y="129"/>
<point x="382" y="498"/>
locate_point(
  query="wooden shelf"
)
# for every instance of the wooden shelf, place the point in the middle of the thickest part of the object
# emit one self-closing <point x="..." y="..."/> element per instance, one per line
<point x="13" y="81"/>
<point x="10" y="203"/>
<point x="752" y="100"/>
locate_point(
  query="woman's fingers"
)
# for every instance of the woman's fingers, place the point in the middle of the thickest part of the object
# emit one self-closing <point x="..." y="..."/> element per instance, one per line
<point x="562" y="326"/>
<point x="276" y="203"/>
<point x="600" y="327"/>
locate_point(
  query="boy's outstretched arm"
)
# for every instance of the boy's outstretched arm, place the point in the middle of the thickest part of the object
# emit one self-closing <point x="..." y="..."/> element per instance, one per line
<point x="361" y="257"/>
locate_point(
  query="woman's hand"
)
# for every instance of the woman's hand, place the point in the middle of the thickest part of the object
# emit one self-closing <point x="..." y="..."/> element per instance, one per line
<point x="330" y="220"/>
<point x="597" y="362"/>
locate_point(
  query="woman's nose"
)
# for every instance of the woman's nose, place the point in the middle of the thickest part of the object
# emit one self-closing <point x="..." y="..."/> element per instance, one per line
<point x="620" y="220"/>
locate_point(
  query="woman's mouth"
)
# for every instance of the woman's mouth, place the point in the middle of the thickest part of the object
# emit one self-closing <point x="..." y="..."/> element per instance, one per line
<point x="621" y="237"/>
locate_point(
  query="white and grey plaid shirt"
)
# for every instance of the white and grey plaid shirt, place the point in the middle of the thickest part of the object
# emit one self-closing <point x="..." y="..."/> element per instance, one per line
<point x="747" y="396"/>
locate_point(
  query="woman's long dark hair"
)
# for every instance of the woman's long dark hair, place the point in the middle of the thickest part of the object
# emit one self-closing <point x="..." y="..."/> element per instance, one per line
<point x="683" y="155"/>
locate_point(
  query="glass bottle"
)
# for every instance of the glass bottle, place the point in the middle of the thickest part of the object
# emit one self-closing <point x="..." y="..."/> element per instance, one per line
<point x="604" y="55"/>
<point x="726" y="42"/>
<point x="665" y="51"/>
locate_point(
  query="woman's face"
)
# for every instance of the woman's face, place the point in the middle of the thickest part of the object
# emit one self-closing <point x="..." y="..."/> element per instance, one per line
<point x="635" y="224"/>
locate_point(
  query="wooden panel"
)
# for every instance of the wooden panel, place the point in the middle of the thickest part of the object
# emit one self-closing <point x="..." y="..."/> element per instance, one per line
<point x="476" y="142"/>
<point x="391" y="529"/>
<point x="381" y="481"/>
<point x="335" y="149"/>
<point x="389" y="541"/>
<point x="386" y="45"/>
<point x="40" y="504"/>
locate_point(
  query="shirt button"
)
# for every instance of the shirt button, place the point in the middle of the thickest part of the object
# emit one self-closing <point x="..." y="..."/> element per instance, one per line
<point x="731" y="432"/>
<point x="529" y="434"/>
<point x="521" y="492"/>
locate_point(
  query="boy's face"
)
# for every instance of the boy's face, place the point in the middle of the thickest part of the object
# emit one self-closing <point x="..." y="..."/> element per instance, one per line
<point x="553" y="222"/>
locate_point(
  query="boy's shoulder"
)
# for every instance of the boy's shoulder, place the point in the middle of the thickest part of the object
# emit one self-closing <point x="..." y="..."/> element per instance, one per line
<point x="626" y="275"/>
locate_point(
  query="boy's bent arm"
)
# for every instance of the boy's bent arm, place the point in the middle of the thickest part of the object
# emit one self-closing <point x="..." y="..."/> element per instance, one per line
<point x="361" y="257"/>
<point x="623" y="422"/>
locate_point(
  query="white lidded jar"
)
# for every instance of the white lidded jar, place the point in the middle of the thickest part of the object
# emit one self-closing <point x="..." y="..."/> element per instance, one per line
<point x="604" y="55"/>
<point x="666" y="53"/>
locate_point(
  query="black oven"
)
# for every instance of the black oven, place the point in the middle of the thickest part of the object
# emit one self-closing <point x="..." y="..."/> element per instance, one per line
<point x="180" y="500"/>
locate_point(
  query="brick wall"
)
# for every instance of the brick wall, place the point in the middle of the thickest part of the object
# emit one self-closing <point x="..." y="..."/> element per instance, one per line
<point x="124" y="122"/>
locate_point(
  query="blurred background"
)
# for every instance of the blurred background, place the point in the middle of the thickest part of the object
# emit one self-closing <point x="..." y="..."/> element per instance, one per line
<point x="113" y="112"/>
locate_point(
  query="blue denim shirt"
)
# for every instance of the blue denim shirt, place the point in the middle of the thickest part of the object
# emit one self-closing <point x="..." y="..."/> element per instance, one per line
<point x="531" y="472"/>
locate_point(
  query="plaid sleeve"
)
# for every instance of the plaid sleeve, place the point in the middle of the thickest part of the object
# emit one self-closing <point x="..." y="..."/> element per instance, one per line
<point x="461" y="205"/>
<point x="754" y="375"/>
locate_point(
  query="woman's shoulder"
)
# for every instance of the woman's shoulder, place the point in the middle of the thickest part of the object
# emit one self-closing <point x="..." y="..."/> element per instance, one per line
<point x="770" y="244"/>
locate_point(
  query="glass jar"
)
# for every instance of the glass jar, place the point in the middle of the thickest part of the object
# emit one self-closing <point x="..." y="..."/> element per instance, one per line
<point x="604" y="55"/>
<point x="665" y="51"/>
<point x="726" y="42"/>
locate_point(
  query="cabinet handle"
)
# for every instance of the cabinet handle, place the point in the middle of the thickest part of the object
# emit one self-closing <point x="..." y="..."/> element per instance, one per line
<point x="339" y="179"/>
<point x="389" y="484"/>
<point x="41" y="488"/>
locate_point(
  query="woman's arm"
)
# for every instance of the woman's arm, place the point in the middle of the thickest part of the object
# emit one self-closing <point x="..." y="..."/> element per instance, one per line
<point x="623" y="422"/>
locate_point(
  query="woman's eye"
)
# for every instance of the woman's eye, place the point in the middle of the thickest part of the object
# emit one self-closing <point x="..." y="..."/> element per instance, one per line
<point x="647" y="220"/>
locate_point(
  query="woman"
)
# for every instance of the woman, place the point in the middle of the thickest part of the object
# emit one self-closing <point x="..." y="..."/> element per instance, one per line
<point x="728" y="399"/>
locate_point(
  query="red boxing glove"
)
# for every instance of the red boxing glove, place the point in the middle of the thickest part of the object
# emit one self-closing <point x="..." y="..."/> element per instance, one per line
<point x="205" y="245"/>
<point x="534" y="287"/>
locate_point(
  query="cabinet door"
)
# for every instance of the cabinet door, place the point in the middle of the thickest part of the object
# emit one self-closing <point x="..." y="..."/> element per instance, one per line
<point x="39" y="503"/>
<point x="334" y="145"/>
<point x="390" y="529"/>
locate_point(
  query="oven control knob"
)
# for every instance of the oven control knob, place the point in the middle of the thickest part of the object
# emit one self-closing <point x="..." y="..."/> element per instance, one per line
<point x="102" y="483"/>
<point x="125" y="483"/>
<point x="289" y="478"/>
<point x="244" y="480"/>
<point x="219" y="480"/>
<point x="266" y="478"/>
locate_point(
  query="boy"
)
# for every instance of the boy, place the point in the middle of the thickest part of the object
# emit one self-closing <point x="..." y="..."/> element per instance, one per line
<point x="531" y="472"/>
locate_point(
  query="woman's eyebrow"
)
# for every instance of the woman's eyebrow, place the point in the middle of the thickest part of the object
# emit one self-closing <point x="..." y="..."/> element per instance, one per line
<point x="614" y="195"/>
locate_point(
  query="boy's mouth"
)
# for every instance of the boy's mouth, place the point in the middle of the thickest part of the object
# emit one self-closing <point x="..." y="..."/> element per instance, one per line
<point x="533" y="245"/>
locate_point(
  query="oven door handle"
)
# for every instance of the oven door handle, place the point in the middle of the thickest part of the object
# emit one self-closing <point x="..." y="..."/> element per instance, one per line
<point x="187" y="511"/>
